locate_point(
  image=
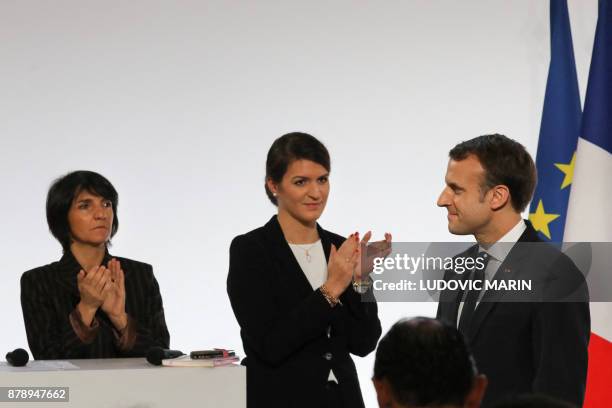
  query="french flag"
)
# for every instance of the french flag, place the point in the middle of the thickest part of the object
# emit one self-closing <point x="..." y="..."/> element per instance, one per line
<point x="590" y="201"/>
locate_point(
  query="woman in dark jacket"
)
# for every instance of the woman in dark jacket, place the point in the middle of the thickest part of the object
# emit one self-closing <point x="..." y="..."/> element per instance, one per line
<point x="90" y="304"/>
<point x="289" y="284"/>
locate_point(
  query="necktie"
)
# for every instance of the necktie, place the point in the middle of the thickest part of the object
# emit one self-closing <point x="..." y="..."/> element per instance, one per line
<point x="469" y="305"/>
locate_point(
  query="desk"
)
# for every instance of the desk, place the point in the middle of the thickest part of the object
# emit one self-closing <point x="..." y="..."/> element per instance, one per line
<point x="130" y="383"/>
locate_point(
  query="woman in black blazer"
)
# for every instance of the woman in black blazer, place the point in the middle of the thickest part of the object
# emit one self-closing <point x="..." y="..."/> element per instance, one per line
<point x="289" y="284"/>
<point x="89" y="304"/>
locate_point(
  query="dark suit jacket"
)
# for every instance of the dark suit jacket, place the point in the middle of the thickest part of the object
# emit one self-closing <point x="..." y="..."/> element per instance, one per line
<point x="530" y="346"/>
<point x="284" y="324"/>
<point x="50" y="293"/>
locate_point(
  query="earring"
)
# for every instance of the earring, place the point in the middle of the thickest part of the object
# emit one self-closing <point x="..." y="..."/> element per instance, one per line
<point x="274" y="194"/>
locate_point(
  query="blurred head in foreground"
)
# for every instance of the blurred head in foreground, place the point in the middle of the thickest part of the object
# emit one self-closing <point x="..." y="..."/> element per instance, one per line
<point x="423" y="362"/>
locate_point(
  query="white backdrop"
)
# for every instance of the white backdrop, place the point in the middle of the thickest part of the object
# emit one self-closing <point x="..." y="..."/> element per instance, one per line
<point x="177" y="102"/>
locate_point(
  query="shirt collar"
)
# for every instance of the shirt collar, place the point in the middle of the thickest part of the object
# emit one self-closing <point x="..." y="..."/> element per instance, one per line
<point x="502" y="247"/>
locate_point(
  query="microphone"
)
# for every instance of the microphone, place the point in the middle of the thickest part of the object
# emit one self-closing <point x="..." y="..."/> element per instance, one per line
<point x="18" y="357"/>
<point x="155" y="355"/>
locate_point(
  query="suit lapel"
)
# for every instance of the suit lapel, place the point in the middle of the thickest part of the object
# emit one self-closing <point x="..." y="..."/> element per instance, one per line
<point x="289" y="266"/>
<point x="68" y="268"/>
<point x="449" y="303"/>
<point x="451" y="299"/>
<point x="325" y="241"/>
<point x="510" y="269"/>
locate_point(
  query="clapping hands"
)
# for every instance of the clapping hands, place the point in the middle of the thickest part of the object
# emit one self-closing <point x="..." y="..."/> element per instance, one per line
<point x="103" y="287"/>
<point x="369" y="252"/>
<point x="354" y="260"/>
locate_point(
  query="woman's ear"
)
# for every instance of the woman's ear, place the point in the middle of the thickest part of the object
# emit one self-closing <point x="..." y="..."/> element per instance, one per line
<point x="272" y="186"/>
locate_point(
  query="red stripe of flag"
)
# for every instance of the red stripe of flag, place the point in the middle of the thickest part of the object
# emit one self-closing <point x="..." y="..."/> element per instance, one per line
<point x="599" y="377"/>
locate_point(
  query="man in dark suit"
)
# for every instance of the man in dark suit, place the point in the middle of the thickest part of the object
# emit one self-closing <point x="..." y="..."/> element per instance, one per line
<point x="534" y="343"/>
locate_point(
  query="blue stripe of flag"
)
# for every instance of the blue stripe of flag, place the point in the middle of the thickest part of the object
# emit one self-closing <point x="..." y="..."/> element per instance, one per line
<point x="597" y="120"/>
<point x="560" y="125"/>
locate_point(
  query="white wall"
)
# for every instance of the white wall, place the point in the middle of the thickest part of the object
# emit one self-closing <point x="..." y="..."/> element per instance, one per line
<point x="177" y="102"/>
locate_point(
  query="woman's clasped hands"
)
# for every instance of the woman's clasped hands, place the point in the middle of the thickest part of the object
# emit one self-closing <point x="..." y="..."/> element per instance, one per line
<point x="103" y="287"/>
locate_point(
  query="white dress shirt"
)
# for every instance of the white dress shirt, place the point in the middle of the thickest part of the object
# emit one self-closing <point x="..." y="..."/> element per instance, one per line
<point x="311" y="258"/>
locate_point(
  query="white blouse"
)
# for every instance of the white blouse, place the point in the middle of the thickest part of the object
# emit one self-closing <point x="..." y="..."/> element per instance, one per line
<point x="311" y="258"/>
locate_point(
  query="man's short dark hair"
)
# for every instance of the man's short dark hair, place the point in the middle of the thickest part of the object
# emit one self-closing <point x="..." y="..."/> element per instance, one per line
<point x="426" y="362"/>
<point x="291" y="147"/>
<point x="62" y="193"/>
<point x="506" y="162"/>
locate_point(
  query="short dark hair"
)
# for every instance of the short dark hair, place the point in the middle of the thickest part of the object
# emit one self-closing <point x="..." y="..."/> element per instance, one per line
<point x="532" y="401"/>
<point x="505" y="161"/>
<point x="426" y="362"/>
<point x="288" y="148"/>
<point x="62" y="193"/>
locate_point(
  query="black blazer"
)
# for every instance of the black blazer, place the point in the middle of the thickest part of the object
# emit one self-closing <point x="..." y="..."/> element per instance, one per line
<point x="50" y="293"/>
<point x="530" y="346"/>
<point x="284" y="324"/>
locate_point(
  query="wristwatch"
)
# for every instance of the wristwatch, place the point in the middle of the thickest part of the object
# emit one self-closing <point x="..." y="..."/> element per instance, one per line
<point x="362" y="286"/>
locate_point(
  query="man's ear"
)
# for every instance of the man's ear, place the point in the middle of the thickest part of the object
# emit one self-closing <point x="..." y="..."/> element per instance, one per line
<point x="383" y="392"/>
<point x="500" y="196"/>
<point x="477" y="392"/>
